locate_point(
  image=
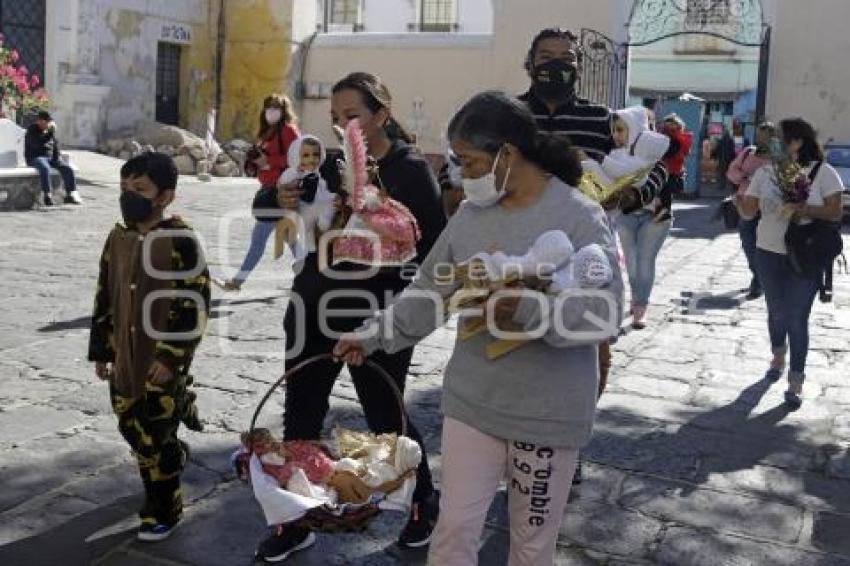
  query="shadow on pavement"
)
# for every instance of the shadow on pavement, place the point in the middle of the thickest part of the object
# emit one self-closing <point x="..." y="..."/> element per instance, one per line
<point x="693" y="303"/>
<point x="80" y="323"/>
<point x="72" y="543"/>
<point x="695" y="220"/>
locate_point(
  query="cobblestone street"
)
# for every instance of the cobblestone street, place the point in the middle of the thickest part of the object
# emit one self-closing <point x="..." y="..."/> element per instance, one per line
<point x="694" y="460"/>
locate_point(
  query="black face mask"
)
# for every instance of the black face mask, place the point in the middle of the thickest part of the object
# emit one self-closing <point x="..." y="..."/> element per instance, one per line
<point x="555" y="80"/>
<point x="135" y="208"/>
<point x="309" y="184"/>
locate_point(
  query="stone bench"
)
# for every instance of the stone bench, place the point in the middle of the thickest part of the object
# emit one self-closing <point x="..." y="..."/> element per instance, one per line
<point x="20" y="187"/>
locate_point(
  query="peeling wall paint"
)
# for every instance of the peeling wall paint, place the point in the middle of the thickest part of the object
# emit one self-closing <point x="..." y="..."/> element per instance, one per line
<point x="128" y="54"/>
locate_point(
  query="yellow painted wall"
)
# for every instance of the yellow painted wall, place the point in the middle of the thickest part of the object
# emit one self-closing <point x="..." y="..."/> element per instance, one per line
<point x="197" y="74"/>
<point x="256" y="61"/>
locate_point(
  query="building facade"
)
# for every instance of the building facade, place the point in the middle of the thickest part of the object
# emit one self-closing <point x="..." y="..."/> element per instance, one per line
<point x="112" y="64"/>
<point x="432" y="65"/>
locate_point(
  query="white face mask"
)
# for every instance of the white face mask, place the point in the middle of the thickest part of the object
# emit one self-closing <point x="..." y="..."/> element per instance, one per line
<point x="273" y="115"/>
<point x="482" y="191"/>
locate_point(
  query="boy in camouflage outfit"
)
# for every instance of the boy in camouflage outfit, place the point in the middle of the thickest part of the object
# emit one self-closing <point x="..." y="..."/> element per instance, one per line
<point x="151" y="308"/>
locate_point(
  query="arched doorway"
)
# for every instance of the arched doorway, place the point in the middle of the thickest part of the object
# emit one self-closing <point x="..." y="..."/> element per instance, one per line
<point x="718" y="30"/>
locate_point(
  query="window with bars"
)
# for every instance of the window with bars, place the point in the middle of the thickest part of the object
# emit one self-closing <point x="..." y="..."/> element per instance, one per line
<point x="708" y="12"/>
<point x="344" y="12"/>
<point x="439" y="15"/>
<point x="22" y="24"/>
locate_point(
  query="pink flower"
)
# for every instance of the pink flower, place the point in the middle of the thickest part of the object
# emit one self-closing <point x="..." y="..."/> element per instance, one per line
<point x="15" y="55"/>
<point x="34" y="81"/>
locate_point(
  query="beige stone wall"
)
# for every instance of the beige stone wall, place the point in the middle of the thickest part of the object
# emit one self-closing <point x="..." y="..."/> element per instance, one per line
<point x="430" y="77"/>
<point x="809" y="72"/>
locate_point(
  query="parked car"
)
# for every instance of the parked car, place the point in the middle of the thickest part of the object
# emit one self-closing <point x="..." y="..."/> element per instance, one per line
<point x="838" y="155"/>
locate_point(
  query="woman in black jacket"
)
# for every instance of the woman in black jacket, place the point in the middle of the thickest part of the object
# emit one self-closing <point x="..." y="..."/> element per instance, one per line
<point x="41" y="151"/>
<point x="407" y="178"/>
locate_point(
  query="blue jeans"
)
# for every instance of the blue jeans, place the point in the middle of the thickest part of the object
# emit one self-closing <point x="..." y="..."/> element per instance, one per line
<point x="259" y="236"/>
<point x="43" y="165"/>
<point x="747" y="231"/>
<point x="789" y="299"/>
<point x="641" y="239"/>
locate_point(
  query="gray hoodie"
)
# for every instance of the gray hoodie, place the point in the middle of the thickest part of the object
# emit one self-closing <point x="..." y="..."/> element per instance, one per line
<point x="544" y="392"/>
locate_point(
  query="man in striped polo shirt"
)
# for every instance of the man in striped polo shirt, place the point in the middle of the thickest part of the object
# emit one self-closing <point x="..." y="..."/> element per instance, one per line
<point x="553" y="63"/>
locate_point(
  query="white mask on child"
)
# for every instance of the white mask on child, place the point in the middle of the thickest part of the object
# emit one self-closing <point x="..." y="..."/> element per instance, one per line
<point x="482" y="191"/>
<point x="273" y="115"/>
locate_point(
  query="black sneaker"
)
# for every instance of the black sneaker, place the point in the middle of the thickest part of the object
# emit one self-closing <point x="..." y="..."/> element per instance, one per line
<point x="578" y="475"/>
<point x="155" y="532"/>
<point x="284" y="541"/>
<point x="420" y="525"/>
<point x="48" y="200"/>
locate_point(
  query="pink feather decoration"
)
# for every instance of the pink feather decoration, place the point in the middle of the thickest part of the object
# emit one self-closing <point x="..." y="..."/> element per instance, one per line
<point x="391" y="222"/>
<point x="355" y="154"/>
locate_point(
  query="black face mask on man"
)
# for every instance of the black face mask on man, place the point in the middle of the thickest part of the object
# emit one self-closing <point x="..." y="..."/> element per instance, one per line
<point x="135" y="208"/>
<point x="555" y="80"/>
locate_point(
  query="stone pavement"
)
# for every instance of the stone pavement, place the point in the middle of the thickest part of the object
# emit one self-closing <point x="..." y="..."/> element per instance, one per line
<point x="694" y="459"/>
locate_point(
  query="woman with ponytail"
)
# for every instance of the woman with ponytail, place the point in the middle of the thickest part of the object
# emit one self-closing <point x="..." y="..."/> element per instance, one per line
<point x="406" y="177"/>
<point x="525" y="414"/>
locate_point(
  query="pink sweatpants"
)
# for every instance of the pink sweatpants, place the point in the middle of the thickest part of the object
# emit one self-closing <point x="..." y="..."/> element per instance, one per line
<point x="539" y="480"/>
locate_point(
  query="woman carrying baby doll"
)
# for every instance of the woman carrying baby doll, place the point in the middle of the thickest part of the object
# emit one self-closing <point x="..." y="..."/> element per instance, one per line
<point x="644" y="214"/>
<point x="527" y="413"/>
<point x="312" y="329"/>
<point x="267" y="160"/>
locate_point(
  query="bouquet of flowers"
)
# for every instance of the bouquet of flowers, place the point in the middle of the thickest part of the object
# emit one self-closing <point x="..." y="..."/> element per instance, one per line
<point x="794" y="185"/>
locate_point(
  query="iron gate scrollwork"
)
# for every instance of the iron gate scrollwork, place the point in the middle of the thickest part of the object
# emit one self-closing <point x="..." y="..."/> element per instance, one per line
<point x="604" y="76"/>
<point x="738" y="21"/>
<point x="604" y="67"/>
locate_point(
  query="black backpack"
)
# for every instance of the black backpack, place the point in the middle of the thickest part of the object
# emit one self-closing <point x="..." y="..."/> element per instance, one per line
<point x="813" y="247"/>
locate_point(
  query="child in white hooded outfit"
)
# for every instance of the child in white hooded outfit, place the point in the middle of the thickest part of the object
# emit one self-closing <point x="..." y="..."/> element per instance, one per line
<point x="638" y="147"/>
<point x="316" y="210"/>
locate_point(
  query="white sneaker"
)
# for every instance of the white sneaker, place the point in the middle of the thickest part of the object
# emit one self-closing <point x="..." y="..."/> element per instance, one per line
<point x="73" y="198"/>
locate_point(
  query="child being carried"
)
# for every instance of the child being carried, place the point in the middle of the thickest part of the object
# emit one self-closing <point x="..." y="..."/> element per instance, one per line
<point x="316" y="209"/>
<point x="637" y="151"/>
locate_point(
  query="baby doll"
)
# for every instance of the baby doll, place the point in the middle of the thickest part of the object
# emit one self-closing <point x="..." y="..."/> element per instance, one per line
<point x="281" y="459"/>
<point x="638" y="150"/>
<point x="552" y="258"/>
<point x="638" y="147"/>
<point x="316" y="210"/>
<point x="381" y="231"/>
<point x="305" y="468"/>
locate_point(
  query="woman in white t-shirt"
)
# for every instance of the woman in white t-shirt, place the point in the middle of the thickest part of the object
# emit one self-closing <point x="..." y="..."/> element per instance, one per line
<point x="790" y="295"/>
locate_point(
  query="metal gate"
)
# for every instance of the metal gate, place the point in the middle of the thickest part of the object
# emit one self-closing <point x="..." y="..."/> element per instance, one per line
<point x="604" y="64"/>
<point x="604" y="76"/>
<point x="22" y="24"/>
<point x="168" y="83"/>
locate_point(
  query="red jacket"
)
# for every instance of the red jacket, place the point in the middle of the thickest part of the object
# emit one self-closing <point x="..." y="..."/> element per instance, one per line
<point x="676" y="163"/>
<point x="276" y="148"/>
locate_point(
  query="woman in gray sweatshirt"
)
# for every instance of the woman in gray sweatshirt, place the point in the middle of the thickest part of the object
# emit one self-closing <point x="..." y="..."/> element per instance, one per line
<point x="521" y="417"/>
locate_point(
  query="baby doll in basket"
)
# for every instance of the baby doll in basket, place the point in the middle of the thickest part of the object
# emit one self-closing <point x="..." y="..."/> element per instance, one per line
<point x="316" y="210"/>
<point x="637" y="151"/>
<point x="380" y="230"/>
<point x="368" y="464"/>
